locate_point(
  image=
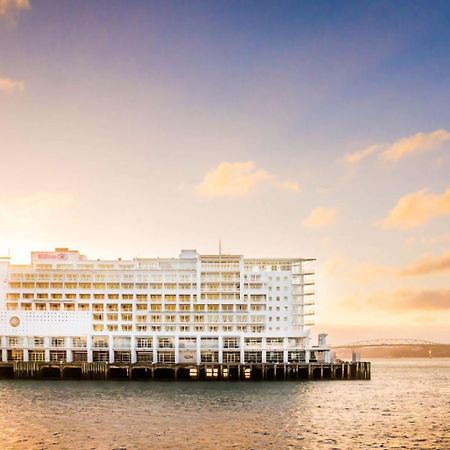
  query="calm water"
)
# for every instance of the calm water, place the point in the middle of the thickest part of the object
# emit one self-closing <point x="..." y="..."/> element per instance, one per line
<point x="405" y="405"/>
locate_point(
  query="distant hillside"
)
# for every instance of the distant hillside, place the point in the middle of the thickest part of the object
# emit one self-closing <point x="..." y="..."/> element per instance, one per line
<point x="437" y="351"/>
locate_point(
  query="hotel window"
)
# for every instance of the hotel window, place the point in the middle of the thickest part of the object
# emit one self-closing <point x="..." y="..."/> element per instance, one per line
<point x="36" y="356"/>
<point x="127" y="317"/>
<point x="57" y="356"/>
<point x="112" y="307"/>
<point x="83" y="307"/>
<point x="274" y="357"/>
<point x="231" y="357"/>
<point x="141" y="307"/>
<point x="165" y="342"/>
<point x="15" y="355"/>
<point x="231" y="343"/>
<point x="144" y="342"/>
<point x="112" y="317"/>
<point x="141" y="328"/>
<point x="99" y="296"/>
<point x="38" y="341"/>
<point x="55" y="306"/>
<point x="155" y="318"/>
<point x="156" y="328"/>
<point x="141" y="318"/>
<point x="127" y="328"/>
<point x="155" y="307"/>
<point x="184" y="328"/>
<point x="58" y="342"/>
<point x="112" y="327"/>
<point x="79" y="342"/>
<point x="253" y="357"/>
<point x="98" y="327"/>
<point x="127" y="296"/>
<point x="113" y="296"/>
<point x="166" y="357"/>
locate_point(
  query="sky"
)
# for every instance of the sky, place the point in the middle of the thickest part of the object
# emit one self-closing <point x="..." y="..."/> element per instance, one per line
<point x="288" y="128"/>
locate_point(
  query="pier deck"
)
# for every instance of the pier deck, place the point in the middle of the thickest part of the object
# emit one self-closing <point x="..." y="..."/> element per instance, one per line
<point x="206" y="371"/>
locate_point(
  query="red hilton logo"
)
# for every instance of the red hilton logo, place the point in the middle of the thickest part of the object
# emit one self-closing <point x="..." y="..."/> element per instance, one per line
<point x="59" y="256"/>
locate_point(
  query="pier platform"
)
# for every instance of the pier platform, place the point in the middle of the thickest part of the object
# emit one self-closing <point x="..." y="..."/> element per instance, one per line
<point x="207" y="371"/>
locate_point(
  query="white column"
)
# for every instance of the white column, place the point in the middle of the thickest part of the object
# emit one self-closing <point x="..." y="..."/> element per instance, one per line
<point x="111" y="348"/>
<point x="47" y="342"/>
<point x="25" y="355"/>
<point x="155" y="349"/>
<point x="242" y="346"/>
<point x="133" y="348"/>
<point x="89" y="348"/>
<point x="177" y="349"/>
<point x="285" y="349"/>
<point x="198" y="358"/>
<point x="220" y="349"/>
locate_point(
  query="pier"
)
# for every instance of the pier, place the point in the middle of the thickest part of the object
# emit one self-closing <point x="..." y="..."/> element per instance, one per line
<point x="194" y="372"/>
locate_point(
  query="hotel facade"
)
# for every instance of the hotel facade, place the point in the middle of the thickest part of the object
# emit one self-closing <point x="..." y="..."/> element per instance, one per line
<point x="194" y="309"/>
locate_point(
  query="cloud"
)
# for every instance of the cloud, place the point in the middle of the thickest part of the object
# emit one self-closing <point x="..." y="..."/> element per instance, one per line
<point x="417" y="143"/>
<point x="416" y="209"/>
<point x="321" y="217"/>
<point x="404" y="300"/>
<point x="428" y="265"/>
<point x="237" y="179"/>
<point x="10" y="6"/>
<point x="9" y="86"/>
<point x="25" y="211"/>
<point x="356" y="157"/>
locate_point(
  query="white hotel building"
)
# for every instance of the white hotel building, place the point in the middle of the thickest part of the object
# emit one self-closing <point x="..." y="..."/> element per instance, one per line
<point x="191" y="309"/>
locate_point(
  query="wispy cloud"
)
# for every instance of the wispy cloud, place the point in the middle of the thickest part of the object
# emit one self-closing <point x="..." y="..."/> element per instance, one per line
<point x="356" y="157"/>
<point x="416" y="209"/>
<point x="9" y="86"/>
<point x="428" y="265"/>
<point x="404" y="300"/>
<point x="25" y="211"/>
<point x="237" y="179"/>
<point x="10" y="6"/>
<point x="416" y="143"/>
<point x="321" y="217"/>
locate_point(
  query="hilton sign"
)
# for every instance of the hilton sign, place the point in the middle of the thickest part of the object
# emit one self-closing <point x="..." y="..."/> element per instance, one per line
<point x="52" y="256"/>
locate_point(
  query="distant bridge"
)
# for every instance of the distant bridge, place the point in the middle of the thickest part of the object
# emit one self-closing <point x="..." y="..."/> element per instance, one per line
<point x="388" y="343"/>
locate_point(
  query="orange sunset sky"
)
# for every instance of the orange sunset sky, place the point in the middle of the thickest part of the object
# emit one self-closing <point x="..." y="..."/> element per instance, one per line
<point x="133" y="129"/>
